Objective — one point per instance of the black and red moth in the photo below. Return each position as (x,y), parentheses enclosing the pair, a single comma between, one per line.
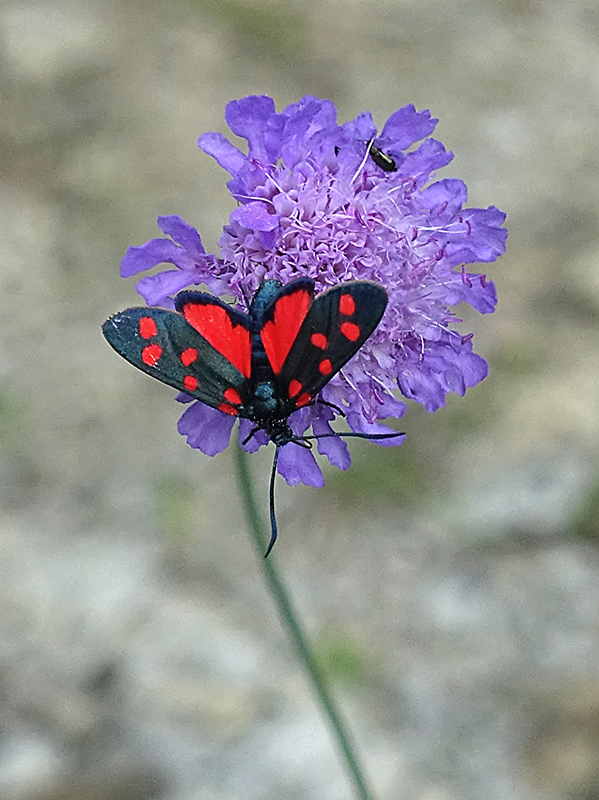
(262,365)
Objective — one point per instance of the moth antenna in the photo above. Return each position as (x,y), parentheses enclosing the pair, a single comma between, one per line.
(357,435)
(340,411)
(273,519)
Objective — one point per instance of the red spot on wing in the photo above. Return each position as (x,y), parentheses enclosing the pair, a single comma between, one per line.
(190,383)
(215,325)
(325,367)
(189,356)
(319,340)
(350,330)
(280,333)
(233,396)
(303,400)
(226,408)
(295,387)
(147,327)
(347,304)
(151,354)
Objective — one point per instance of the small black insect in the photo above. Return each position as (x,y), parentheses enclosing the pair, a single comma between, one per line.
(382,159)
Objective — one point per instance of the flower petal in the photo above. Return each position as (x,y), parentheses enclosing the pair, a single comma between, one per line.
(473,289)
(257,440)
(305,123)
(222,151)
(444,198)
(405,127)
(389,406)
(361,128)
(156,251)
(183,234)
(419,164)
(333,447)
(206,428)
(155,288)
(248,118)
(255,216)
(487,238)
(184,398)
(297,465)
(447,365)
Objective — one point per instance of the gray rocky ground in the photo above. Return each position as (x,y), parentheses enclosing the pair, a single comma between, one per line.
(452,586)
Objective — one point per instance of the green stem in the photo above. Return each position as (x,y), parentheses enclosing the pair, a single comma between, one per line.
(294,630)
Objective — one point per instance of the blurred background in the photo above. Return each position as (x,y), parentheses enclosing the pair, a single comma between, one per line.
(450,586)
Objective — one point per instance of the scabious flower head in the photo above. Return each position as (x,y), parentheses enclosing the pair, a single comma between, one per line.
(312,201)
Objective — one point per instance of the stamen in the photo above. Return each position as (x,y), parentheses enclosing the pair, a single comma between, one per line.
(364,160)
(252,197)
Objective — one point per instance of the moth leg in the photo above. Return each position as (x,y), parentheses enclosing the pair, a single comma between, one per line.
(250,434)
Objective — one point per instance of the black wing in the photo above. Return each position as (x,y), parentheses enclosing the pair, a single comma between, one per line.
(337,324)
(164,345)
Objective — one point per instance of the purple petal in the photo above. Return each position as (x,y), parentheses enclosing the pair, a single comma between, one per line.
(300,421)
(471,288)
(445,198)
(361,128)
(298,465)
(487,237)
(448,365)
(222,151)
(255,216)
(154,288)
(258,439)
(421,163)
(156,251)
(333,447)
(322,113)
(248,118)
(389,406)
(183,234)
(206,428)
(405,127)
(305,122)
(421,386)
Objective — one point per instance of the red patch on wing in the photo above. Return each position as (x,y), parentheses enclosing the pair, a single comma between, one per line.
(319,340)
(347,305)
(325,367)
(147,327)
(295,387)
(189,356)
(233,396)
(226,408)
(215,325)
(350,330)
(303,400)
(190,383)
(151,354)
(280,333)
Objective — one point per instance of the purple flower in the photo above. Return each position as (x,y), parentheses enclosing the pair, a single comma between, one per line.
(312,201)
